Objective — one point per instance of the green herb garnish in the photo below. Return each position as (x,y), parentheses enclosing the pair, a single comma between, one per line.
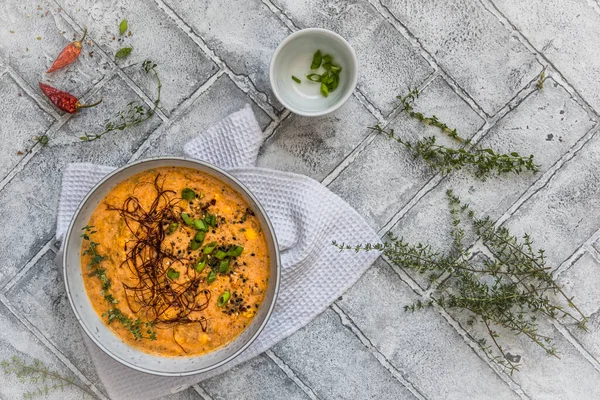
(124,52)
(235,251)
(188,194)
(113,313)
(172,228)
(324,90)
(314,77)
(186,218)
(211,220)
(296,79)
(316,61)
(209,248)
(200,225)
(172,274)
(199,267)
(200,236)
(224,266)
(212,276)
(224,298)
(219,255)
(195,245)
(123,27)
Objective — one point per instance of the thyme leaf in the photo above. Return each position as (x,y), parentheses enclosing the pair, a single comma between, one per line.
(45,379)
(135,113)
(510,290)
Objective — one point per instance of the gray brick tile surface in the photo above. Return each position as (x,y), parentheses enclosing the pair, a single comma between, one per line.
(41,298)
(335,364)
(259,378)
(33,121)
(16,341)
(565,32)
(478,62)
(471,45)
(315,146)
(244,37)
(413,342)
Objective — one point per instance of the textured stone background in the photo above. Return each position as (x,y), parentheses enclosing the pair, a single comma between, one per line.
(476,63)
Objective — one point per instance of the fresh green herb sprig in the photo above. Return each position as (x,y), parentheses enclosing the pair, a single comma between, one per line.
(38,374)
(135,113)
(511,290)
(444,159)
(139,329)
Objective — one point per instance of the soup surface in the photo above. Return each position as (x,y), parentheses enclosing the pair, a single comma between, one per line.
(175,262)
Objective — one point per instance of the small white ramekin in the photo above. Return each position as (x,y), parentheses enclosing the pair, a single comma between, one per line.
(294,56)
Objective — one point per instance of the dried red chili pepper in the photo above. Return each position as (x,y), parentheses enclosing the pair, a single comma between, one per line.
(63,100)
(68,54)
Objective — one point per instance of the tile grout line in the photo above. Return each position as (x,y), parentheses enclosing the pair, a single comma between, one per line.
(110,60)
(541,58)
(289,372)
(416,43)
(241,81)
(201,392)
(39,100)
(50,132)
(351,157)
(347,322)
(181,109)
(51,347)
(28,266)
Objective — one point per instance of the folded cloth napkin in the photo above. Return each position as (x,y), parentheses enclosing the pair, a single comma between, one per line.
(306,217)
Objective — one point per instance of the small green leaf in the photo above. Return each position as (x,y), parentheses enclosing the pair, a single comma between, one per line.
(224,266)
(200,236)
(123,27)
(224,298)
(219,255)
(200,225)
(172,228)
(200,266)
(211,277)
(186,218)
(235,251)
(124,52)
(316,61)
(188,194)
(296,79)
(209,248)
(172,274)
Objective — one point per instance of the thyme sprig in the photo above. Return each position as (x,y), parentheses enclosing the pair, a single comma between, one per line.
(446,159)
(135,326)
(510,290)
(40,375)
(135,113)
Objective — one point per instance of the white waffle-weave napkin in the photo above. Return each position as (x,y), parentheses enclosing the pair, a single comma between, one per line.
(306,217)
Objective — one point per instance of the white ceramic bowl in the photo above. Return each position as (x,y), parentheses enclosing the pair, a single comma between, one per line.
(97,330)
(294,56)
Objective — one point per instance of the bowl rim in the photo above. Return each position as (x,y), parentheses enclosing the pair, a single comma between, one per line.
(277,255)
(342,99)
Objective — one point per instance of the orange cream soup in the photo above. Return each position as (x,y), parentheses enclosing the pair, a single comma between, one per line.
(201,331)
